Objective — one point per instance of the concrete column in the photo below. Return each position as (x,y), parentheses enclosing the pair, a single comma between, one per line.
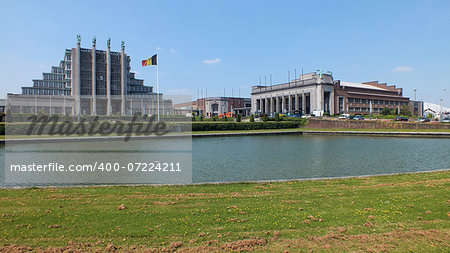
(254,107)
(108,79)
(303,103)
(332,102)
(289,103)
(277,104)
(282,104)
(266,105)
(319,98)
(94,79)
(296,102)
(76,77)
(123,79)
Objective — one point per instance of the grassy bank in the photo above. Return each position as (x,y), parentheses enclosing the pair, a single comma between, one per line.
(253,131)
(400,212)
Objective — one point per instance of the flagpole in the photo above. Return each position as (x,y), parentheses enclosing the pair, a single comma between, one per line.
(157,87)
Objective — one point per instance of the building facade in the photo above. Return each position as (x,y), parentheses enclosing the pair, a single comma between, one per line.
(90,82)
(2,105)
(312,93)
(368,98)
(215,106)
(318,94)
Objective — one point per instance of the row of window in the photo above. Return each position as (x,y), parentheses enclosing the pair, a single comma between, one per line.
(57,70)
(363,109)
(30,91)
(375,102)
(51,76)
(48,84)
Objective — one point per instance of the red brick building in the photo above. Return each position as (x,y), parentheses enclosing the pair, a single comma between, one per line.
(366,98)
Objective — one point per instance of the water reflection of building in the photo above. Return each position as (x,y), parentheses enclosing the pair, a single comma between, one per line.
(69,87)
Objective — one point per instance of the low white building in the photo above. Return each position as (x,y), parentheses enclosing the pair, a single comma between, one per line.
(312,93)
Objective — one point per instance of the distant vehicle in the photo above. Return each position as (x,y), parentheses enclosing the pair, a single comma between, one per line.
(446,120)
(401,119)
(423,119)
(295,114)
(358,117)
(344,116)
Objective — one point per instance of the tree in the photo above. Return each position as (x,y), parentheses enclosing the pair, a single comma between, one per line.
(405,111)
(238,117)
(386,111)
(252,118)
(277,117)
(264,118)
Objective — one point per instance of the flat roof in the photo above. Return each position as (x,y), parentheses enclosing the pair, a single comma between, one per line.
(361,86)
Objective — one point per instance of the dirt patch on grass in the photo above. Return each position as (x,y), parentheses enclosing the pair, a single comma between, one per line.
(371,242)
(244,245)
(433,182)
(337,240)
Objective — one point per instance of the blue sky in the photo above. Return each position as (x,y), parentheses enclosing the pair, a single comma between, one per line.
(231,44)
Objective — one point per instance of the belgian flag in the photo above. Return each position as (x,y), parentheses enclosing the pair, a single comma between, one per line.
(150,61)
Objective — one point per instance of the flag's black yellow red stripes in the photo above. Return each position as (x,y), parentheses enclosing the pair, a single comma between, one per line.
(150,61)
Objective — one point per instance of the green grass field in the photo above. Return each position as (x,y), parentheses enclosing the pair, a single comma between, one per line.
(408,212)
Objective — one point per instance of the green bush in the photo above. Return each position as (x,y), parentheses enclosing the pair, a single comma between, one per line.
(238,117)
(24,128)
(224,126)
(264,118)
(277,117)
(2,128)
(252,118)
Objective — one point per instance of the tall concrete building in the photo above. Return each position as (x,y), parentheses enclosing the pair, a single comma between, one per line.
(91,82)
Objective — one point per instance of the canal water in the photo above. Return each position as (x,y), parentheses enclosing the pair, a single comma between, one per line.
(274,157)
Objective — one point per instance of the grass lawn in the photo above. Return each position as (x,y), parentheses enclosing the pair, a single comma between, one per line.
(408,212)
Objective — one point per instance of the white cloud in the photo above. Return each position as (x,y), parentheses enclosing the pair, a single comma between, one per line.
(402,69)
(212,61)
(173,50)
(158,49)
